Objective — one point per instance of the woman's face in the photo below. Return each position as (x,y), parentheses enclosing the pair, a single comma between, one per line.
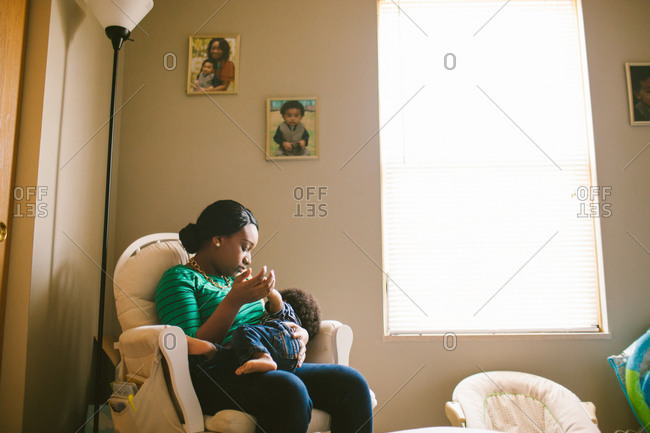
(215,50)
(233,255)
(644,91)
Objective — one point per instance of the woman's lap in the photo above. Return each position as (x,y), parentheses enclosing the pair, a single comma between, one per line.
(340,391)
(282,401)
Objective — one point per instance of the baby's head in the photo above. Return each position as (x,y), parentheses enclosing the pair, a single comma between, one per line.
(292,112)
(640,76)
(305,307)
(207,67)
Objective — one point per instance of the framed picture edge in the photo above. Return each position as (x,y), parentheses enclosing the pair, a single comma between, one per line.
(268,130)
(630,95)
(235,60)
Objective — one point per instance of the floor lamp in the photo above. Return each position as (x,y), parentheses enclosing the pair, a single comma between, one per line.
(118,17)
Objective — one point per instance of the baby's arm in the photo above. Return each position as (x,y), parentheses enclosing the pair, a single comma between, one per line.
(278,137)
(275,302)
(304,139)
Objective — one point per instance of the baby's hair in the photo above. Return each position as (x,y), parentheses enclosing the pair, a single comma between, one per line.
(292,104)
(210,62)
(305,307)
(637,75)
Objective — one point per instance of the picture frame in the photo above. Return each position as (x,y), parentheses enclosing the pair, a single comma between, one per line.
(278,129)
(221,67)
(638,92)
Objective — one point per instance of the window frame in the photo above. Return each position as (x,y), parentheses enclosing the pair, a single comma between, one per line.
(603,331)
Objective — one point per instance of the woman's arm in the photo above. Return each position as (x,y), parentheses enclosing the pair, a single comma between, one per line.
(216,327)
(223,86)
(225,74)
(243,291)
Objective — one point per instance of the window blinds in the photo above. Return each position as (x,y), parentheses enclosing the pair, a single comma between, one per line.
(489,215)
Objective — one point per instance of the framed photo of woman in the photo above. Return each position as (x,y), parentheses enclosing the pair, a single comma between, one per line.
(638,92)
(292,128)
(213,65)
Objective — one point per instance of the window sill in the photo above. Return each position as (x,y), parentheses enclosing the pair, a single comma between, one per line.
(501,336)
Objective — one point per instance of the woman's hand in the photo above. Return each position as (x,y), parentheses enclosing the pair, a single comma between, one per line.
(302,336)
(242,292)
(246,289)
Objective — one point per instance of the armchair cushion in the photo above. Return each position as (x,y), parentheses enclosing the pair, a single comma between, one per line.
(135,283)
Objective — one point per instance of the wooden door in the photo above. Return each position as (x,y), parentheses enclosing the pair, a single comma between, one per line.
(13,20)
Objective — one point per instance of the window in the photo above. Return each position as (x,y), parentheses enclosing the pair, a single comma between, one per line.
(490,209)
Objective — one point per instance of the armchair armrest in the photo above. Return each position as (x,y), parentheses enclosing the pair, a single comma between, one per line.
(173,345)
(590,408)
(331,345)
(139,346)
(455,414)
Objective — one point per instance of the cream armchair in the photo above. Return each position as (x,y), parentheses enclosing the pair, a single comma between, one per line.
(167,391)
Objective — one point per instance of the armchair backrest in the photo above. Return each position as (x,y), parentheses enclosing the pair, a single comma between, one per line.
(136,276)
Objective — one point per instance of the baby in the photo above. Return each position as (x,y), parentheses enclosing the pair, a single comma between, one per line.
(206,77)
(269,345)
(291,135)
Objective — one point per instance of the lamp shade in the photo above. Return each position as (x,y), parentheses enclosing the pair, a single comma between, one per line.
(121,13)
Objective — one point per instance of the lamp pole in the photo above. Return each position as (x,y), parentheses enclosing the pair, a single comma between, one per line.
(118,20)
(117,35)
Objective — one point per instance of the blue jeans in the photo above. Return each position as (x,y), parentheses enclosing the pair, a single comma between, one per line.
(282,401)
(274,338)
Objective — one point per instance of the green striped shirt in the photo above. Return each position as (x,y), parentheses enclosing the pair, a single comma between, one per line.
(186,299)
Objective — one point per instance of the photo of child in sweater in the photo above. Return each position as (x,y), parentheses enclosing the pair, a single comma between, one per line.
(291,128)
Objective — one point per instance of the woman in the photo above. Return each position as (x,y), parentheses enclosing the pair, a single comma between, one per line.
(219,55)
(213,294)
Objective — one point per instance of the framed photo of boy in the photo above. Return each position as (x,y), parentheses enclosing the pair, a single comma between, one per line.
(638,92)
(213,65)
(292,128)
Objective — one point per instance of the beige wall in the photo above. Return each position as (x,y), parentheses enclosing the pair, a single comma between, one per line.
(53,284)
(179,153)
